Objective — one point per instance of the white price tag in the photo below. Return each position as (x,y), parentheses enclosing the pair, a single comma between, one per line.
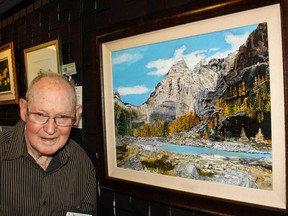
(76,214)
(79,101)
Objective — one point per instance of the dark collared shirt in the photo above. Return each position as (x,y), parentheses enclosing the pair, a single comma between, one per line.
(68,184)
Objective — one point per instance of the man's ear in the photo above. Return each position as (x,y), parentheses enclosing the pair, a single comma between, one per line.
(78,114)
(23,109)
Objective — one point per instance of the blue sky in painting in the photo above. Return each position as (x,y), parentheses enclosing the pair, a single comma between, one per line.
(138,70)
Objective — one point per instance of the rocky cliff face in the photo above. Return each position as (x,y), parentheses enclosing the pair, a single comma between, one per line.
(183,89)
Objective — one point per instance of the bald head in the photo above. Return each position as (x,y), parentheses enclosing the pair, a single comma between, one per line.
(55,82)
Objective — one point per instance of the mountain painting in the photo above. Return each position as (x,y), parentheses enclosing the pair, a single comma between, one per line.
(197,107)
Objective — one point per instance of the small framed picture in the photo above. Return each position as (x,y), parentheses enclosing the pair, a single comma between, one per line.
(42,58)
(8,78)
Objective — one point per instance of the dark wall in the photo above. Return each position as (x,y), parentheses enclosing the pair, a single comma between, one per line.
(74,22)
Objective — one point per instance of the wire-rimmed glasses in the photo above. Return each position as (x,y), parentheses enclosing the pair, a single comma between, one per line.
(41,118)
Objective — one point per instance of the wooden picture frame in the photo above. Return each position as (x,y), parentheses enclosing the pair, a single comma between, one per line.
(42,58)
(8,77)
(200,19)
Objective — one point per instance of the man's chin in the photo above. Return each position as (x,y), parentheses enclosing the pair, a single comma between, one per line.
(48,150)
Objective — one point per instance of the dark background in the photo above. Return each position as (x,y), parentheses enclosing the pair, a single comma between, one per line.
(28,23)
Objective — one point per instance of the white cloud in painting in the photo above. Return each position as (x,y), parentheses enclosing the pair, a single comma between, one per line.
(235,41)
(138,89)
(127,58)
(213,49)
(161,66)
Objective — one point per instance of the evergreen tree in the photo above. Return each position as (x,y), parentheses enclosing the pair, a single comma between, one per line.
(122,127)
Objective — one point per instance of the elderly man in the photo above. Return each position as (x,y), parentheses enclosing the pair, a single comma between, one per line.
(43,171)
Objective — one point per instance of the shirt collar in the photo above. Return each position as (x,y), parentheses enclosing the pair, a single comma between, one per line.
(15,147)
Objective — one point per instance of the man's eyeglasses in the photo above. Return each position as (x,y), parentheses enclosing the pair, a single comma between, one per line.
(41,118)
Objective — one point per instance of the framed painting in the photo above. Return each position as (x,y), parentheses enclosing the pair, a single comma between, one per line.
(8,77)
(194,107)
(42,58)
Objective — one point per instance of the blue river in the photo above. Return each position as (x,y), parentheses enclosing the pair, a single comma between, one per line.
(201,150)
